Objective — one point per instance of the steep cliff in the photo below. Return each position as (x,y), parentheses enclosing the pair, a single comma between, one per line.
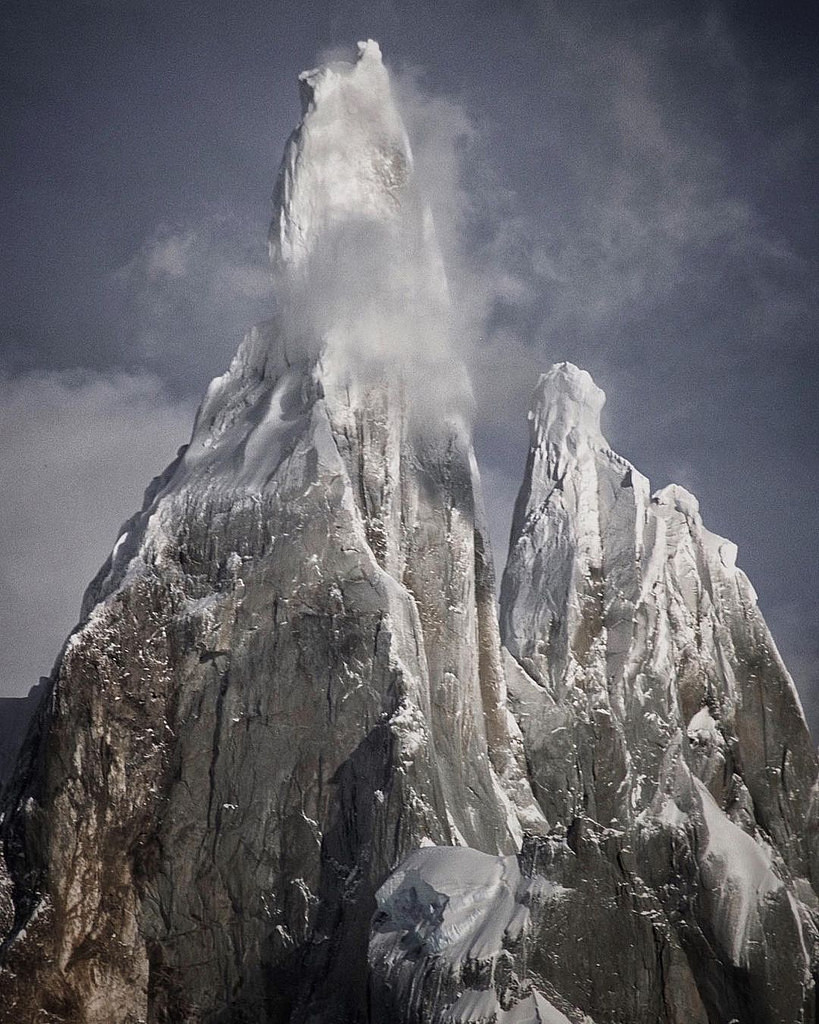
(288,673)
(654,703)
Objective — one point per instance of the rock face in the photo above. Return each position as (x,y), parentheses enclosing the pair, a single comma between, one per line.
(654,703)
(289,671)
(276,775)
(667,749)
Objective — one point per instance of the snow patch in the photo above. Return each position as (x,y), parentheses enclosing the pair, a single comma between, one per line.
(457,902)
(703,730)
(739,870)
(410,728)
(120,541)
(480,1006)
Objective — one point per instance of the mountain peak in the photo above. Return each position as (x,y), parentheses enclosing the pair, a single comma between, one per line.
(368,64)
(567,403)
(347,162)
(369,49)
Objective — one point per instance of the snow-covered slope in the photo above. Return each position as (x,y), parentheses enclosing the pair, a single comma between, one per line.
(449,925)
(289,671)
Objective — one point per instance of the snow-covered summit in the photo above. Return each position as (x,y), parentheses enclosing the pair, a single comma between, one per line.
(348,161)
(360,293)
(631,617)
(359,278)
(566,405)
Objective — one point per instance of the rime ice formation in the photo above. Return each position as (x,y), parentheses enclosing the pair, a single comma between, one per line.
(276,775)
(653,702)
(349,159)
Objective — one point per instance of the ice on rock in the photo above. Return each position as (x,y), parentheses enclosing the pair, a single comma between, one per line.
(349,159)
(651,697)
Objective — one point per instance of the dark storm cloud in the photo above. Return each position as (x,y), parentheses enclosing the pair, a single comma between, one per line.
(627,186)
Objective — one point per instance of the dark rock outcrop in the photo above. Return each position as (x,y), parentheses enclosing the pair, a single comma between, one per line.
(16,714)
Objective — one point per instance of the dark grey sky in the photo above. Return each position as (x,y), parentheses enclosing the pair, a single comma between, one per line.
(627,185)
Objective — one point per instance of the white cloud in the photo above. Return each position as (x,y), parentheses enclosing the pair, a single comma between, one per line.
(190,292)
(169,255)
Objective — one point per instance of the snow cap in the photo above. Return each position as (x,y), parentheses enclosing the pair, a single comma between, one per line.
(678,498)
(348,161)
(566,405)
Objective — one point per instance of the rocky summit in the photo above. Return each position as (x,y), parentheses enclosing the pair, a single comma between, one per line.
(294,765)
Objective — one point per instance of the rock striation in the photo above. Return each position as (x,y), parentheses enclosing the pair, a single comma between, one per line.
(286,771)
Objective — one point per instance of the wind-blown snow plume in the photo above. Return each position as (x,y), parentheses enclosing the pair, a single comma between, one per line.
(358,274)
